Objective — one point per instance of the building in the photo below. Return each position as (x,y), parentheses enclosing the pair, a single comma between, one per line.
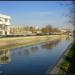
(18,30)
(4,24)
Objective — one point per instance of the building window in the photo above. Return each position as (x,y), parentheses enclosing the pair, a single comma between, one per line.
(6,20)
(1,19)
(1,26)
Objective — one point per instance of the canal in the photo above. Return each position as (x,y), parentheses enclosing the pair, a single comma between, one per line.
(34,59)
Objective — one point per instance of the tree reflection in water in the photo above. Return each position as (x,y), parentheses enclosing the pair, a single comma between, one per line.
(4,56)
(50,45)
(26,52)
(19,52)
(34,49)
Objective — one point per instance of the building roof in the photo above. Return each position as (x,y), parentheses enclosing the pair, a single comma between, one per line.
(5,16)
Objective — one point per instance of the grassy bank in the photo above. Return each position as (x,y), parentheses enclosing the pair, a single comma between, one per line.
(11,42)
(68,64)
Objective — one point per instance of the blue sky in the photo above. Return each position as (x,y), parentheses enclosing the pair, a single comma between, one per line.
(36,12)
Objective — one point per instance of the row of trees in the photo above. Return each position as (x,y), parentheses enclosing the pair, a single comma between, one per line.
(48,29)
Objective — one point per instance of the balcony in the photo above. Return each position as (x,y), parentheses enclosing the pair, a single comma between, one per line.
(5,23)
(1,22)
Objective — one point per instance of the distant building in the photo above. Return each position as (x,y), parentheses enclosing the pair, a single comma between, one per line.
(19,30)
(66,31)
(63,30)
(4,24)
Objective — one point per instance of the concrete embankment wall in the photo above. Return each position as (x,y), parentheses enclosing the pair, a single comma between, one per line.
(15,41)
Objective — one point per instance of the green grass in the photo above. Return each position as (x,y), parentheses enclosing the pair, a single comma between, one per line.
(69,54)
(67,62)
(64,66)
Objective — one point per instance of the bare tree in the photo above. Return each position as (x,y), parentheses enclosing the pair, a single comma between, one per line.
(73,17)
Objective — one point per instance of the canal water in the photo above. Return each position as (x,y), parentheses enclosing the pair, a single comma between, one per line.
(34,59)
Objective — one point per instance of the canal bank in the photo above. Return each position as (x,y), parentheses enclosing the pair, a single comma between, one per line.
(34,59)
(57,66)
(11,42)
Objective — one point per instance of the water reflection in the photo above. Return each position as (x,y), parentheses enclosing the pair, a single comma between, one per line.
(50,45)
(5,56)
(34,49)
(34,59)
(20,52)
(5,53)
(26,52)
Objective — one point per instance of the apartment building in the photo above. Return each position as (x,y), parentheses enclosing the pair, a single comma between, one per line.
(5,24)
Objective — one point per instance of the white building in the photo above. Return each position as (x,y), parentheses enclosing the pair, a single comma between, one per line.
(4,24)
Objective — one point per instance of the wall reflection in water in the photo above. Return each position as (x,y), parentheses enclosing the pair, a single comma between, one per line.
(4,56)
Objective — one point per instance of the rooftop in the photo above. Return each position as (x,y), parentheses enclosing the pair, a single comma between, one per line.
(5,16)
